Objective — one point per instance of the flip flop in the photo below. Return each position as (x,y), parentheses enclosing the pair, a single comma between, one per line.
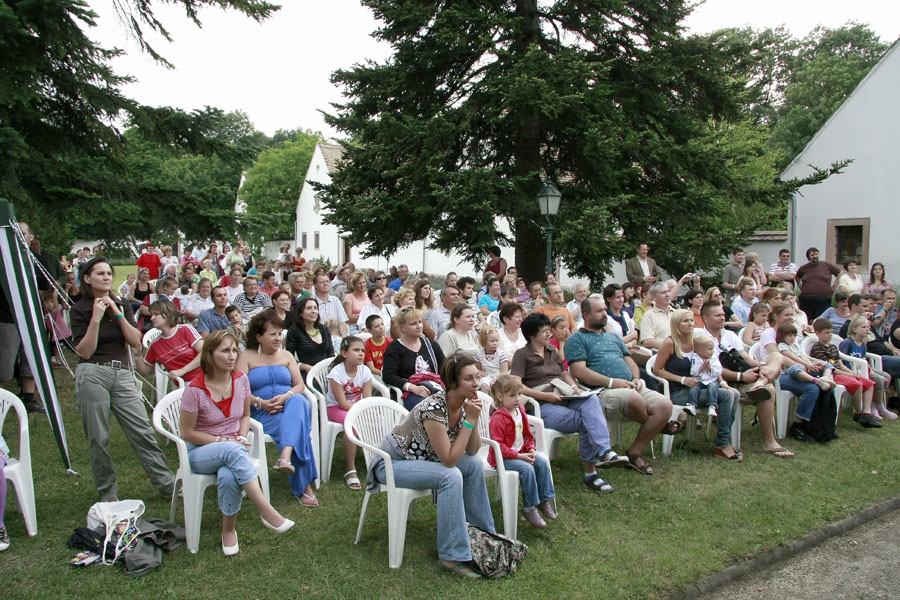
(283,466)
(311,503)
(780,452)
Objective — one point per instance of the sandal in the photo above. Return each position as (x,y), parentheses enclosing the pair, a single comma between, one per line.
(641,467)
(596,484)
(283,466)
(781,452)
(461,570)
(311,501)
(672,427)
(737,456)
(352,482)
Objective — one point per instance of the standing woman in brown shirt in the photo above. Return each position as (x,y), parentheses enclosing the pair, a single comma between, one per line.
(103,328)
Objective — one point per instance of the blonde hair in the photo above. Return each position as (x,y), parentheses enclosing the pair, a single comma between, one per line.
(679,338)
(703,340)
(403,294)
(485,333)
(332,326)
(406,315)
(854,323)
(506,384)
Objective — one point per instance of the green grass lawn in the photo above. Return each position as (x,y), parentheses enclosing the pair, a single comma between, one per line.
(652,535)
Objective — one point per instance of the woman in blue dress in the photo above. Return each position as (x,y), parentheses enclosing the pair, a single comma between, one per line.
(277,401)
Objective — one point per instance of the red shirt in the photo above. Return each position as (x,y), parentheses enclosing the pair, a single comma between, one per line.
(298,264)
(503,431)
(376,353)
(151,261)
(270,291)
(175,352)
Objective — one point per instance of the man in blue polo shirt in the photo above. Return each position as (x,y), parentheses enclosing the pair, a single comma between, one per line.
(214,318)
(598,358)
(402,274)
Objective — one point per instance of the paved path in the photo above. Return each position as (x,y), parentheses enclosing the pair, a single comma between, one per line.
(861,564)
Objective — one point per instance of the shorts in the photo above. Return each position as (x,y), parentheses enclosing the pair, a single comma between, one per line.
(615,401)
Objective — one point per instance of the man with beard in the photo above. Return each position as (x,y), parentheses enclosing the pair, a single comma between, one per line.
(598,359)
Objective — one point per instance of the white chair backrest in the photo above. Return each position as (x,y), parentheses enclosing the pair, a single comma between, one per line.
(9,400)
(484,419)
(755,352)
(150,337)
(168,411)
(651,363)
(371,420)
(317,377)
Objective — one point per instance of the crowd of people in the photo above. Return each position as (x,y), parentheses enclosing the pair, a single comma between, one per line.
(243,332)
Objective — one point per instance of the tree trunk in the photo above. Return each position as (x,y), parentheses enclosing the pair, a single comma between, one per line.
(530,239)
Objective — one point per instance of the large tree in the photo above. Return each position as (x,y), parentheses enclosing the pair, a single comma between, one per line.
(272,187)
(641,127)
(60,99)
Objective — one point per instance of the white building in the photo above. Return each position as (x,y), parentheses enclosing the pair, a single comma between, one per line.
(853,215)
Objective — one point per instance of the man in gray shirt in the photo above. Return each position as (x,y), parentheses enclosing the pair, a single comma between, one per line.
(732,273)
(439,318)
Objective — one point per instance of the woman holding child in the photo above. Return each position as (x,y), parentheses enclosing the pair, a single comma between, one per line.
(694,374)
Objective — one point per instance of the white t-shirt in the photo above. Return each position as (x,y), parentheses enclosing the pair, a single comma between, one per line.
(490,363)
(729,340)
(767,337)
(386,313)
(353,387)
(509,346)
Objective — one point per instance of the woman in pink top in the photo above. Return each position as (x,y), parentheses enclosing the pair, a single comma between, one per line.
(215,419)
(356,300)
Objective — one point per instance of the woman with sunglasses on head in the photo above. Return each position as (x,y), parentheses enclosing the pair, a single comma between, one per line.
(412,361)
(102,330)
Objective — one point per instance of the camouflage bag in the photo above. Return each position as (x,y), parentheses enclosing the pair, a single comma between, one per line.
(495,555)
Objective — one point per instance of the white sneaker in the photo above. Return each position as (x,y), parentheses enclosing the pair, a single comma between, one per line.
(713,412)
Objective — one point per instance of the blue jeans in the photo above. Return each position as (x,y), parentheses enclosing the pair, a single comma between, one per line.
(808,392)
(535,480)
(584,417)
(232,466)
(461,496)
(727,402)
(891,366)
(411,399)
(712,393)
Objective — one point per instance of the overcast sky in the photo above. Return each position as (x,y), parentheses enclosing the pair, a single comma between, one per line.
(278,72)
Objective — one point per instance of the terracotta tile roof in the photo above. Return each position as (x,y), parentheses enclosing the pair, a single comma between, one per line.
(332,154)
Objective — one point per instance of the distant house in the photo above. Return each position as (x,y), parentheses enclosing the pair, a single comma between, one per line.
(321,240)
(854,215)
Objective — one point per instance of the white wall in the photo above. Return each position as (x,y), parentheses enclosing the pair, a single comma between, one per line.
(866,129)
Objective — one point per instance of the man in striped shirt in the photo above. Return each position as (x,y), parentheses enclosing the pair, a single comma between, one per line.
(784,269)
(251,301)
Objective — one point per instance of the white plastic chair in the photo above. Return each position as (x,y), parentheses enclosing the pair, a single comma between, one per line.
(677,410)
(329,430)
(507,481)
(167,421)
(18,470)
(367,423)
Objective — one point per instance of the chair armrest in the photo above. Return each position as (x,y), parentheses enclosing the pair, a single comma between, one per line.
(388,465)
(874,361)
(535,405)
(258,446)
(539,431)
(861,365)
(498,457)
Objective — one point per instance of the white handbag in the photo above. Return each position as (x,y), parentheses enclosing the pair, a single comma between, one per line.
(116,518)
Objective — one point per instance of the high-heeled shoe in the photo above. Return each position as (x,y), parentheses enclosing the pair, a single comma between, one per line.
(230,550)
(281,528)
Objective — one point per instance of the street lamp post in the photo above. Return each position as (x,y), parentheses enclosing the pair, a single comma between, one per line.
(548,202)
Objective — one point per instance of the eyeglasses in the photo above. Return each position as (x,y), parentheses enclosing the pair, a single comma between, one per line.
(382,277)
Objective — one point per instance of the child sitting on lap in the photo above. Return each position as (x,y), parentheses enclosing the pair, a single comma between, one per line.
(705,368)
(509,428)
(493,359)
(786,336)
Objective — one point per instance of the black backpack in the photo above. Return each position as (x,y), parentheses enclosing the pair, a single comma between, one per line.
(821,426)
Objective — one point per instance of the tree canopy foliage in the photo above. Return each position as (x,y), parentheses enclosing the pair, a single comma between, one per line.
(272,187)
(646,131)
(60,103)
